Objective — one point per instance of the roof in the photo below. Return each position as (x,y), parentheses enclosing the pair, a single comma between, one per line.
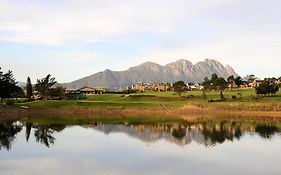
(86,89)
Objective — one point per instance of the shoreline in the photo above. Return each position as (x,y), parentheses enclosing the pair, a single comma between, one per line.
(182,112)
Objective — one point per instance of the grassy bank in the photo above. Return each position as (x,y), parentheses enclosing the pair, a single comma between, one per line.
(248,101)
(158,103)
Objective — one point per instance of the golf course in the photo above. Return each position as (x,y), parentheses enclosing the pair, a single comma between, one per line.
(242,102)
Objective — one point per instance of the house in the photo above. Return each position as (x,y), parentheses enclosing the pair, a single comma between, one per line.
(70,91)
(195,87)
(86,91)
(142,87)
(254,83)
(36,95)
(161,86)
(152,87)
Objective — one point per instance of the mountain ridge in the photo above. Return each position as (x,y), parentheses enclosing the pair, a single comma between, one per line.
(150,72)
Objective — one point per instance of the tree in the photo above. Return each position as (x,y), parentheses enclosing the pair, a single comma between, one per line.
(28,88)
(214,77)
(8,87)
(252,78)
(218,83)
(18,92)
(180,87)
(238,81)
(207,84)
(231,81)
(57,92)
(44,86)
(267,87)
(222,85)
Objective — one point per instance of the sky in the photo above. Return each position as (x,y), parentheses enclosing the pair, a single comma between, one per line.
(72,39)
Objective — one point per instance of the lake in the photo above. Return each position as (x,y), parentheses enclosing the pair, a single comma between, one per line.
(216,147)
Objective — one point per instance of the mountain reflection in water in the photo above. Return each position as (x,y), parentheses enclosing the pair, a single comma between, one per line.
(204,133)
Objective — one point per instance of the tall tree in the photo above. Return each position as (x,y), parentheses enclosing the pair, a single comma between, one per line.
(179,87)
(218,83)
(28,88)
(207,84)
(222,85)
(8,85)
(57,92)
(238,82)
(231,81)
(44,86)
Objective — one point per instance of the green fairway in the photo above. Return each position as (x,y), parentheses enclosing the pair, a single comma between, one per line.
(245,98)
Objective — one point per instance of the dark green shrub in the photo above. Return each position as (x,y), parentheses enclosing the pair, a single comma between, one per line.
(10,102)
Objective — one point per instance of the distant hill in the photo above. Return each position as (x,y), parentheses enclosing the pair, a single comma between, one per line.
(21,84)
(154,73)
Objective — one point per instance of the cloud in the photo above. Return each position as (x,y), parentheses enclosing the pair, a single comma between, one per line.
(70,21)
(241,33)
(77,55)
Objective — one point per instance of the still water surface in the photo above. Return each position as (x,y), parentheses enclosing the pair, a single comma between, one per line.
(125,149)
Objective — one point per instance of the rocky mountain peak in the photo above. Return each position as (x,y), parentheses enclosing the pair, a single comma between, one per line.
(150,72)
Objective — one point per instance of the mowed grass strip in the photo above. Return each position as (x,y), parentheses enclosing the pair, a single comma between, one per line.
(249,100)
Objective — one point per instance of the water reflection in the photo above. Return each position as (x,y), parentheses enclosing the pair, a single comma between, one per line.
(266,131)
(44,133)
(8,133)
(207,133)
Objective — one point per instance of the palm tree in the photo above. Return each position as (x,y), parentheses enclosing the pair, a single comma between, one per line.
(44,85)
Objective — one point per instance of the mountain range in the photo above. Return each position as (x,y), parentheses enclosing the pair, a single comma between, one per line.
(150,72)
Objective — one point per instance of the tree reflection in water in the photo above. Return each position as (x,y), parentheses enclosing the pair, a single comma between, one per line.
(8,133)
(44,133)
(208,133)
(179,132)
(266,130)
(28,127)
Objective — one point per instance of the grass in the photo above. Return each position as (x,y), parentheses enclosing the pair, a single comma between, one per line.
(248,101)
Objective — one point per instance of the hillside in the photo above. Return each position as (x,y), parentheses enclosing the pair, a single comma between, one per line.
(154,73)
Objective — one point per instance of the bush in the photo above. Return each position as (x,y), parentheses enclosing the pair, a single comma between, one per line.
(234,97)
(10,102)
(214,100)
(240,95)
(128,91)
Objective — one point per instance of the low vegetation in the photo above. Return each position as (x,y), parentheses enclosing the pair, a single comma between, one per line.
(245,99)
(217,94)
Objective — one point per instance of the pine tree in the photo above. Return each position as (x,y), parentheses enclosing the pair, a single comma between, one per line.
(8,87)
(28,88)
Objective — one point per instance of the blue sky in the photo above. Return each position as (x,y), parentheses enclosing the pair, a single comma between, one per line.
(71,39)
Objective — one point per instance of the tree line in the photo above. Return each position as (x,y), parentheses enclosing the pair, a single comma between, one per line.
(268,86)
(9,89)
(46,89)
(8,86)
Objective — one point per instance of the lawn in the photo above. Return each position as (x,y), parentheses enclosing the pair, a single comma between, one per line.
(159,99)
(248,100)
